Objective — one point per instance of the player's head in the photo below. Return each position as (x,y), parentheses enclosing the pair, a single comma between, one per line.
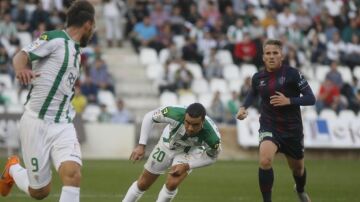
(194,118)
(272,55)
(81,14)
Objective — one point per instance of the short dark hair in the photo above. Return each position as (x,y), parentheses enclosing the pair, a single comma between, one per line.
(196,110)
(79,13)
(273,42)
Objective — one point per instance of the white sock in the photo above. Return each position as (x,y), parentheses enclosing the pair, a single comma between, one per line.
(166,195)
(70,194)
(20,177)
(133,194)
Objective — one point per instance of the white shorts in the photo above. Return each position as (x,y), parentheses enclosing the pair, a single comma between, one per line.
(161,158)
(43,142)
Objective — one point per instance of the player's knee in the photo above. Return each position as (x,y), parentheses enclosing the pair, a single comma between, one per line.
(72,178)
(143,185)
(39,195)
(171,185)
(298,170)
(265,163)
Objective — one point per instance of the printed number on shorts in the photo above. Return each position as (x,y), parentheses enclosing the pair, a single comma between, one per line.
(159,155)
(35,164)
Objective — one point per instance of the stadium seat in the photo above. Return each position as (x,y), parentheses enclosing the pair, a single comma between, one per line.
(328,114)
(91,113)
(345,74)
(12,95)
(224,57)
(24,38)
(315,86)
(2,109)
(6,80)
(168,98)
(15,109)
(347,114)
(164,55)
(225,97)
(148,56)
(195,69)
(173,67)
(205,99)
(199,86)
(153,71)
(321,71)
(187,99)
(179,41)
(235,85)
(231,72)
(218,85)
(357,72)
(308,72)
(247,70)
(107,98)
(310,113)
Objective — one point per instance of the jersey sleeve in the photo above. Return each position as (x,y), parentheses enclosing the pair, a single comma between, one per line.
(308,97)
(169,115)
(40,48)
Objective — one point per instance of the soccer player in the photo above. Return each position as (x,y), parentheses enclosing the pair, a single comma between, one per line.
(46,130)
(281,129)
(190,140)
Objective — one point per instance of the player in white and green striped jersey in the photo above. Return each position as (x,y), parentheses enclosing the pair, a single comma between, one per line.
(46,130)
(190,140)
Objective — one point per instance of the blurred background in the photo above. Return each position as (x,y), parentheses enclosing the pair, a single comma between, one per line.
(151,53)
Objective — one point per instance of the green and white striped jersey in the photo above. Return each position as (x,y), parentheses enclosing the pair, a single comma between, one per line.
(56,57)
(174,136)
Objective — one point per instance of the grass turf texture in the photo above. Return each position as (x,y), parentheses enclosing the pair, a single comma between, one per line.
(225,181)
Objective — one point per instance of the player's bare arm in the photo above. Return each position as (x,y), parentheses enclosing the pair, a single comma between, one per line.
(279,99)
(242,113)
(22,73)
(138,153)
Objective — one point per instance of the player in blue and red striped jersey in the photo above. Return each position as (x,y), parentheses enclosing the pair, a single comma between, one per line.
(279,87)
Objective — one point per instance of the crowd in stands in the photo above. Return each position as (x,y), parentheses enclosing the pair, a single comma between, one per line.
(187,34)
(315,33)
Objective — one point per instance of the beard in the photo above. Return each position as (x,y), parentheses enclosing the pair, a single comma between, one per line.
(85,40)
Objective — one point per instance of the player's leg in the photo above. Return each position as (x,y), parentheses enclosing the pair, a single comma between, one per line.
(138,188)
(169,189)
(35,179)
(66,156)
(70,176)
(158,162)
(299,173)
(267,151)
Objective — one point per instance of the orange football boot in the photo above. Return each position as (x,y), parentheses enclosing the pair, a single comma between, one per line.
(6,181)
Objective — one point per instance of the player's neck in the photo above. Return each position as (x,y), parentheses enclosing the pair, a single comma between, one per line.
(74,33)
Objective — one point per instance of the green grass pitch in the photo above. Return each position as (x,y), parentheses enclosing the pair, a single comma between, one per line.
(225,181)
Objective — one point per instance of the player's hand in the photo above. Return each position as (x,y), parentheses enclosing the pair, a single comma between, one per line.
(180,169)
(242,113)
(25,76)
(279,99)
(138,153)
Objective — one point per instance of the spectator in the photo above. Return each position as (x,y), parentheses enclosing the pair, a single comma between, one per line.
(122,115)
(4,100)
(39,16)
(144,34)
(217,109)
(292,59)
(329,97)
(159,16)
(317,51)
(79,100)
(334,75)
(177,21)
(89,89)
(230,17)
(4,61)
(100,76)
(21,16)
(245,51)
(334,49)
(211,13)
(351,55)
(114,11)
(349,31)
(183,77)
(212,67)
(193,15)
(286,18)
(206,44)
(233,105)
(245,88)
(104,116)
(166,81)
(7,27)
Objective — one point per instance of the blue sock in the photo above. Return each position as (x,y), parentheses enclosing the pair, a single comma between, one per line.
(266,180)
